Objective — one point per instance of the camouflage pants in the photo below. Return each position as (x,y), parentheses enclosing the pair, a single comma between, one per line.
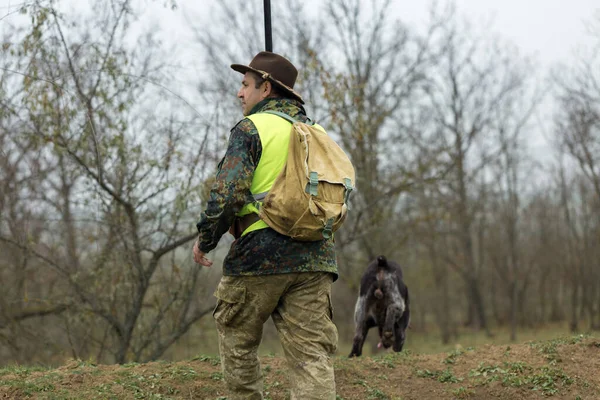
(300,305)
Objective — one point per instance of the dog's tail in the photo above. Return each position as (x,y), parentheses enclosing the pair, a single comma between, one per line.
(382,266)
(382,262)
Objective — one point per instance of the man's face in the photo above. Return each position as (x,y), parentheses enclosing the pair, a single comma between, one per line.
(250,95)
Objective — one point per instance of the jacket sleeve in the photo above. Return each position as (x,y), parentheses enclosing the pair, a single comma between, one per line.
(231,189)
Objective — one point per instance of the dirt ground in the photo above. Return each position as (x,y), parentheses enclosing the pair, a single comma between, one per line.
(566,368)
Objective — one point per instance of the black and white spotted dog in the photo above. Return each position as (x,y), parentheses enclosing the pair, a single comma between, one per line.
(382,302)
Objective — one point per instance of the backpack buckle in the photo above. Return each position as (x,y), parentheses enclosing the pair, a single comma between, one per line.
(313,182)
(328,230)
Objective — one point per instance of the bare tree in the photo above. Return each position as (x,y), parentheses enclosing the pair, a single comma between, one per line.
(123,170)
(475,81)
(372,79)
(577,129)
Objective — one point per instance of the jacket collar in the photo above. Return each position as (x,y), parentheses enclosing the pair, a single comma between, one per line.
(290,107)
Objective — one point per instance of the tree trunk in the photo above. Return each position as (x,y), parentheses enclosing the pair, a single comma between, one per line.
(513,311)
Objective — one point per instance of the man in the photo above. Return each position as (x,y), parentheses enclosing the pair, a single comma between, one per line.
(266,273)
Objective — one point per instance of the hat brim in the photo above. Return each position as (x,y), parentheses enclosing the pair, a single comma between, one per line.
(244,68)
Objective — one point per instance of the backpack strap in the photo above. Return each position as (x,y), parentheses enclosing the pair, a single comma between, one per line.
(287,117)
(349,188)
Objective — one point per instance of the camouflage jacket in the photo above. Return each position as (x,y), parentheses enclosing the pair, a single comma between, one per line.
(264,251)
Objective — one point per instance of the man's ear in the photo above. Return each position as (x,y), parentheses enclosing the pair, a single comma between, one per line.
(266,92)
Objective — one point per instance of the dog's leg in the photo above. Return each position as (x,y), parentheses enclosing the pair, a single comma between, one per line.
(399,335)
(362,327)
(401,327)
(393,313)
(380,329)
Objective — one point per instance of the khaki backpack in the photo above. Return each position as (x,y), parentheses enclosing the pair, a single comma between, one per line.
(308,200)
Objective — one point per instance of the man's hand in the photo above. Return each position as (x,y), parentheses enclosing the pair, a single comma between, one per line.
(199,256)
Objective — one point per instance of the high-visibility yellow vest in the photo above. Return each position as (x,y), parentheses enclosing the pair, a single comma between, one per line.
(274,133)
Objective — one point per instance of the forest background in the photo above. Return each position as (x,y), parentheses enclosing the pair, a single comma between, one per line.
(108,144)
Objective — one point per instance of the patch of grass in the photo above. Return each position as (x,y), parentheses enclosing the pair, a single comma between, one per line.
(445,376)
(83,364)
(425,373)
(510,374)
(462,393)
(142,386)
(60,395)
(550,351)
(375,393)
(431,342)
(130,365)
(518,374)
(20,370)
(29,388)
(484,370)
(213,360)
(182,373)
(549,379)
(40,386)
(275,384)
(453,355)
(216,376)
(141,389)
(549,348)
(388,360)
(517,366)
(269,387)
(104,389)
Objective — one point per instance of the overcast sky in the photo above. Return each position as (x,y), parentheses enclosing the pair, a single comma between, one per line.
(549,30)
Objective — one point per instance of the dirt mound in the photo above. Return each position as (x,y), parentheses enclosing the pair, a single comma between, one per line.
(563,368)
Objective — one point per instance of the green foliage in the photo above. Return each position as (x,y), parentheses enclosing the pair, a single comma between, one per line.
(453,355)
(375,393)
(115,172)
(518,374)
(361,378)
(141,386)
(445,376)
(214,360)
(217,376)
(182,373)
(389,360)
(21,370)
(462,393)
(31,387)
(549,348)
(548,380)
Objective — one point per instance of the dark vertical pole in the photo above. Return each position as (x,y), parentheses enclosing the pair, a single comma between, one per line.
(268,35)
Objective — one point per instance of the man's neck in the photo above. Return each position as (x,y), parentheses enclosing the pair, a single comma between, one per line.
(262,103)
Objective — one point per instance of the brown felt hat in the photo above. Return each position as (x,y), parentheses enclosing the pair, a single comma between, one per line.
(277,69)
